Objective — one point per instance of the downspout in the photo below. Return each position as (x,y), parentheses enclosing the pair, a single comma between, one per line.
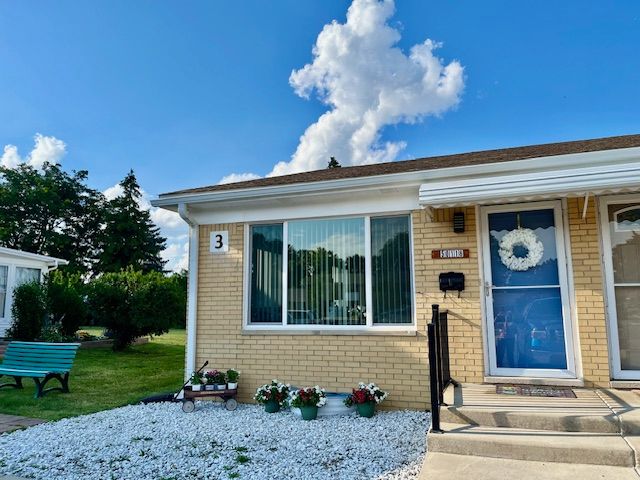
(192,289)
(53,267)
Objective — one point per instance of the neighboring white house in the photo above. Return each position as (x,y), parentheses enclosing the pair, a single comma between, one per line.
(17,267)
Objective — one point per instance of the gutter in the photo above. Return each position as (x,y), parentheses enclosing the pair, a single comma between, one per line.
(192,289)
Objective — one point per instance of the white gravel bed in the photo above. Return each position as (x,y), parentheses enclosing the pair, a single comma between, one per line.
(160,442)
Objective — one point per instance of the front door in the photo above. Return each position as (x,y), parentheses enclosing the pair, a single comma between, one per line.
(620,218)
(527,308)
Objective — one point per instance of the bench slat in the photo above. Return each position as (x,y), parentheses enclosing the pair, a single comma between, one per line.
(25,373)
(43,344)
(36,366)
(14,354)
(41,349)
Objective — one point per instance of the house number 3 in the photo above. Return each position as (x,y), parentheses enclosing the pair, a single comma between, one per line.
(219,242)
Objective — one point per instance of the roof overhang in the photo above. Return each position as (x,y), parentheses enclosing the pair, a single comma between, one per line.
(595,175)
(20,254)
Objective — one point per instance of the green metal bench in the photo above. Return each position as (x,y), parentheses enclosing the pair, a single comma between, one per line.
(40,361)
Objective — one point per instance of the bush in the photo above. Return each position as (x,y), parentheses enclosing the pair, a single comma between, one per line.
(67,308)
(132,304)
(28,311)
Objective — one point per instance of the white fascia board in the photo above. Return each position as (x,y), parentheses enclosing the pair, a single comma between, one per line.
(396,180)
(540,184)
(13,253)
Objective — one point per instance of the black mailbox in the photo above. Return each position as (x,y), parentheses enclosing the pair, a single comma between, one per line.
(452,281)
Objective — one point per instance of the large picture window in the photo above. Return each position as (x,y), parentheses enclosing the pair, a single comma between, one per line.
(331,272)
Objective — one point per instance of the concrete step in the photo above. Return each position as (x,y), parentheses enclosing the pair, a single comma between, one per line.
(533,445)
(444,466)
(534,419)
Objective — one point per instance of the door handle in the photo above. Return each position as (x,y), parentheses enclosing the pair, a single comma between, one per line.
(487,289)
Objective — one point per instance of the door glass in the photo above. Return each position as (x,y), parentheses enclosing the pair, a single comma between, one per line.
(26,275)
(624,228)
(526,293)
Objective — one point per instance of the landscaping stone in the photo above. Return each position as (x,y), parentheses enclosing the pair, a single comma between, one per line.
(160,441)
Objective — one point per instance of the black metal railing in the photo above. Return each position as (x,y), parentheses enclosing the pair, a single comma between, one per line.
(439,367)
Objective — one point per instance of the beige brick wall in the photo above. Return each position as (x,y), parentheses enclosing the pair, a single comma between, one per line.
(589,295)
(396,363)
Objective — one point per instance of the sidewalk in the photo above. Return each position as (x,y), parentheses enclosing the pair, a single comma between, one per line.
(9,423)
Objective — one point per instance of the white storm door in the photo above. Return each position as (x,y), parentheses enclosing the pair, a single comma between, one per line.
(528,315)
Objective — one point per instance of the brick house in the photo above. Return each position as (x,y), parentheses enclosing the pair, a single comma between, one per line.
(328,277)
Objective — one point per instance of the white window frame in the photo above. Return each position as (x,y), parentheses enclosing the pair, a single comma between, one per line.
(609,286)
(5,321)
(369,327)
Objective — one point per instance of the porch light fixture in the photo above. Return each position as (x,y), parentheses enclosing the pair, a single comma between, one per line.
(458,222)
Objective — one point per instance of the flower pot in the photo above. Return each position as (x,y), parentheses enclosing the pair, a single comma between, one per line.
(366,410)
(208,388)
(196,388)
(232,385)
(309,412)
(271,406)
(219,386)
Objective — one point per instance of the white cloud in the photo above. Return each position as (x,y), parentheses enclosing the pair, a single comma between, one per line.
(368,83)
(238,177)
(177,256)
(45,149)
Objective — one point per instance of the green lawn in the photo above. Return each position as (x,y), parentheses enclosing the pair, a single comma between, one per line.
(103,379)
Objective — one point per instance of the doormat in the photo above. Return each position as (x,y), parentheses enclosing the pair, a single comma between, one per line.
(535,391)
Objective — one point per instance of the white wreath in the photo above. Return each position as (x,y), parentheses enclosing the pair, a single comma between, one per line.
(525,238)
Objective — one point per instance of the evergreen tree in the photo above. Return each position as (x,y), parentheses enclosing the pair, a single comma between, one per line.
(333,163)
(129,238)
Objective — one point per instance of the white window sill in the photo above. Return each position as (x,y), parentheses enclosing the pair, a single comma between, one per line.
(409,331)
(555,382)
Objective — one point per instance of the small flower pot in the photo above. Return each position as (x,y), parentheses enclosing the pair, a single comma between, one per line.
(209,388)
(219,386)
(366,410)
(232,385)
(309,412)
(271,406)
(196,388)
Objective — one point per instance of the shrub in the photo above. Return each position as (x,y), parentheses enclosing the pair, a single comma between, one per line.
(28,311)
(132,304)
(66,305)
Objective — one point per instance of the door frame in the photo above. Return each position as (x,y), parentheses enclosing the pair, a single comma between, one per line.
(609,285)
(565,293)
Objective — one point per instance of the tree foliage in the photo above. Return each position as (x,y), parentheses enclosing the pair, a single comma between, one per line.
(50,212)
(28,311)
(333,163)
(130,304)
(129,238)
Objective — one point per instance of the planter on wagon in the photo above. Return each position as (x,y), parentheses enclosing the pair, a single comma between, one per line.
(365,398)
(212,383)
(272,395)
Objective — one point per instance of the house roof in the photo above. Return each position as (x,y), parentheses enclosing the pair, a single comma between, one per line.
(428,163)
(11,252)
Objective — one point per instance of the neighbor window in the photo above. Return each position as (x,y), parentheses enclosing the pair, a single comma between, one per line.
(320,272)
(26,275)
(4,271)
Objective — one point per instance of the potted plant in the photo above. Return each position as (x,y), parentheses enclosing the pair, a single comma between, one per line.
(219,380)
(365,398)
(196,382)
(232,379)
(209,377)
(308,400)
(272,395)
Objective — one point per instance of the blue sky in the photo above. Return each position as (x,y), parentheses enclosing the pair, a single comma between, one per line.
(186,93)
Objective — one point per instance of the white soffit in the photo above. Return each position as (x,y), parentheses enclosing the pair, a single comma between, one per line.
(509,187)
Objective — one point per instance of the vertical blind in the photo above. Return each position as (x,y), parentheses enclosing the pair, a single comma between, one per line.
(391,270)
(266,274)
(326,272)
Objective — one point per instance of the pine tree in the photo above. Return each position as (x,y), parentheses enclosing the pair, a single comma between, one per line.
(333,163)
(130,239)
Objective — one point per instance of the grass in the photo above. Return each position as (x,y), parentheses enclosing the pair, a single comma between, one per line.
(102,379)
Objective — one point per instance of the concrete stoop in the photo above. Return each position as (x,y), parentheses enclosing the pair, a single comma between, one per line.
(593,436)
(445,466)
(533,445)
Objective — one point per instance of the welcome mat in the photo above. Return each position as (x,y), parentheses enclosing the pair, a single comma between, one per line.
(535,391)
